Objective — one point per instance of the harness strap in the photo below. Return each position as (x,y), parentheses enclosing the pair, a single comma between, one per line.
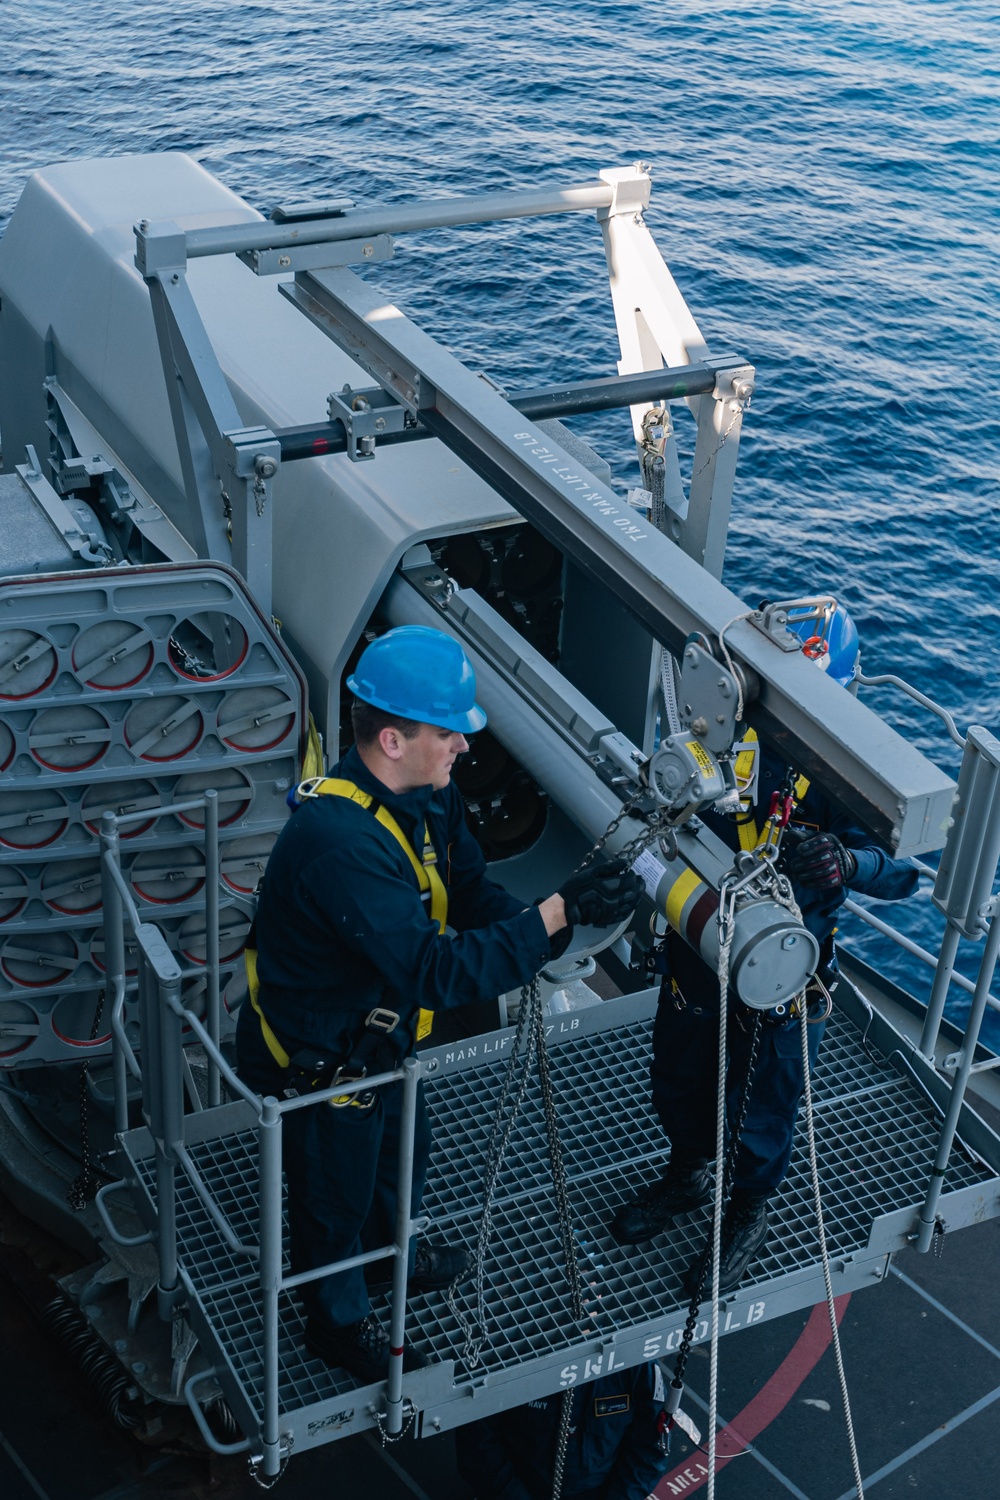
(745,767)
(275,1048)
(432,890)
(425,868)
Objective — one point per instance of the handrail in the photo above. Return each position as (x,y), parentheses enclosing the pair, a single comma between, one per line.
(925,956)
(211,1441)
(235,1084)
(109,1224)
(118,1025)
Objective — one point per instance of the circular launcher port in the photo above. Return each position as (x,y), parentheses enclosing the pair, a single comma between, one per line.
(82,1020)
(19,1027)
(13,891)
(28,663)
(112,655)
(256,719)
(162,729)
(72,886)
(207,647)
(131,954)
(235,795)
(121,798)
(243,861)
(168,876)
(31,819)
(72,737)
(233,929)
(39,960)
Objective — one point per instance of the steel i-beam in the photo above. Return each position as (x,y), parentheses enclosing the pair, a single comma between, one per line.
(880,777)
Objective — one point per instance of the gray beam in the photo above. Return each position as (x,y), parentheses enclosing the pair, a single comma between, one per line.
(826,734)
(573,398)
(434,213)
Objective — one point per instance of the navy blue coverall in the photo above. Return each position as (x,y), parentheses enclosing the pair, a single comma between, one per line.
(341,929)
(685,1032)
(614,1452)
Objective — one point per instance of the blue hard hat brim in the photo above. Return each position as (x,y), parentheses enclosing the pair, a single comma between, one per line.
(468,722)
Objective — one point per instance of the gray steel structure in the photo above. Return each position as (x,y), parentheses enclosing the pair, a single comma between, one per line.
(167,385)
(200,438)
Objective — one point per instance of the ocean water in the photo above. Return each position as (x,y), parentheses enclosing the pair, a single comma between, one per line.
(825,192)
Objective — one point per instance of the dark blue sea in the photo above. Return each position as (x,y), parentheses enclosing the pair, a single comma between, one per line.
(825,192)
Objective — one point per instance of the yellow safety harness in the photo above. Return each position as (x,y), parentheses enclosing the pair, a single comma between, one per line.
(745,767)
(433,891)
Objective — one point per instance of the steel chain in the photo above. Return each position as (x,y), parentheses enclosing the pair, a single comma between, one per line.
(656,825)
(389,1437)
(259,1479)
(81,1189)
(512,1092)
(562,1442)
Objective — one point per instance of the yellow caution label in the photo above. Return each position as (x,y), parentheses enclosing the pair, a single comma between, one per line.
(678,894)
(705,762)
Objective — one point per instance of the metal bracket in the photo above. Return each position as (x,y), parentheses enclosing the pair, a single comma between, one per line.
(772,619)
(315,257)
(86,546)
(708,698)
(159,247)
(211,1441)
(735,383)
(365,416)
(630,190)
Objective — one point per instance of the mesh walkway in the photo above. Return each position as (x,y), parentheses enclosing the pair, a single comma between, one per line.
(876,1136)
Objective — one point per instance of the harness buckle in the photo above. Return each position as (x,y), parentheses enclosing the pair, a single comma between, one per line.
(308,788)
(362,1099)
(381,1019)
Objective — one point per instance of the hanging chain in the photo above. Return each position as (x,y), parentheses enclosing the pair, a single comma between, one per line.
(259,493)
(259,1479)
(562,1442)
(81,1189)
(738,409)
(395,1437)
(657,824)
(512,1092)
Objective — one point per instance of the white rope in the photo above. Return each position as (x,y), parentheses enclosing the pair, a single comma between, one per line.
(814,1169)
(729,660)
(725,945)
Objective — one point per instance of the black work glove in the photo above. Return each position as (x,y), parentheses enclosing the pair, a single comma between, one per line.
(602,895)
(821,861)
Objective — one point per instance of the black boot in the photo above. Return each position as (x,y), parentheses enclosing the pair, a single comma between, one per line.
(686,1184)
(361,1348)
(437,1266)
(744,1230)
(434,1267)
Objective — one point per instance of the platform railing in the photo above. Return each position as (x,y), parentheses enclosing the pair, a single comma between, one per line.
(161,1073)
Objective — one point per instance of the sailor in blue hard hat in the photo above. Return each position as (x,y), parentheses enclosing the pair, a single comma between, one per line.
(825,856)
(375,912)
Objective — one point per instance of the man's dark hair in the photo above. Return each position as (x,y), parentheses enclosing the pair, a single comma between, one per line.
(368,723)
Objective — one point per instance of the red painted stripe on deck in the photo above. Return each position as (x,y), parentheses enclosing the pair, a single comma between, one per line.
(769,1402)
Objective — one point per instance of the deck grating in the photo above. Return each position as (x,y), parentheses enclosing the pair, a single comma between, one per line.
(876,1137)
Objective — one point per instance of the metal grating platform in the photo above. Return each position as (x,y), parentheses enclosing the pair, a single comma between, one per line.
(876,1135)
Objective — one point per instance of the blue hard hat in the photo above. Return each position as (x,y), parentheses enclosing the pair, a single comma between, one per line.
(418,673)
(831,640)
